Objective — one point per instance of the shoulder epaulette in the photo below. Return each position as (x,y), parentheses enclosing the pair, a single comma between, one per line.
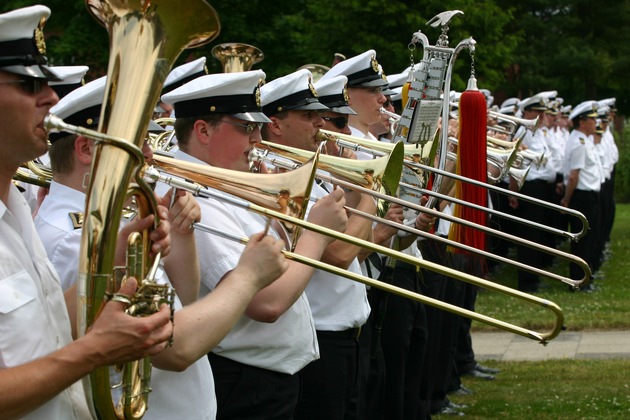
(77,219)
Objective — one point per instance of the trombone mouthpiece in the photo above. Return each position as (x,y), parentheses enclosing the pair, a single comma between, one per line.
(53,123)
(323,137)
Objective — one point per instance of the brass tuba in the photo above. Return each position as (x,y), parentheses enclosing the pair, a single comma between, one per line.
(236,56)
(146,37)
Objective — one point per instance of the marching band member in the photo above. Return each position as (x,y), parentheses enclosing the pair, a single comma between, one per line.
(339,306)
(398,325)
(255,366)
(40,365)
(582,181)
(184,390)
(539,184)
(612,154)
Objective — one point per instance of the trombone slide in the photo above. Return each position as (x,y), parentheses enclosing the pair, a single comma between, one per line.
(543,338)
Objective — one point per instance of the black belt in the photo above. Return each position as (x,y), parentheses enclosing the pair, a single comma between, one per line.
(401,265)
(585,193)
(349,333)
(539,181)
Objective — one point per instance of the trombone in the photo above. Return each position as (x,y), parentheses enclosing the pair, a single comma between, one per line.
(220,179)
(377,148)
(336,165)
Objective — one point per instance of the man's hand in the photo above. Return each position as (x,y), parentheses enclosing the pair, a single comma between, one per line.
(184,211)
(329,212)
(160,236)
(262,260)
(118,337)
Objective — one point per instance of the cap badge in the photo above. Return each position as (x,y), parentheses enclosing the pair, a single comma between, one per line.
(257,93)
(311,87)
(374,64)
(346,98)
(38,36)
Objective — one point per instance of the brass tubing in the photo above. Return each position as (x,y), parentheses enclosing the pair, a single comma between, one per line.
(542,337)
(378,149)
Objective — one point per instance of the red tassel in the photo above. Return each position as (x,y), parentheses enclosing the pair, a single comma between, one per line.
(471,163)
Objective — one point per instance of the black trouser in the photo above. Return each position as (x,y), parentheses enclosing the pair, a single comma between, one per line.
(371,389)
(527,281)
(586,203)
(330,385)
(497,245)
(248,392)
(607,209)
(441,325)
(403,342)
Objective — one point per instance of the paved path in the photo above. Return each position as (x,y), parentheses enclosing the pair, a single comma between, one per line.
(505,346)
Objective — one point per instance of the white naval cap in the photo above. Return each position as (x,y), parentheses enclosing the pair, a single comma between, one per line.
(603,112)
(534,103)
(397,95)
(82,107)
(509,106)
(293,92)
(566,110)
(488,95)
(71,78)
(510,102)
(22,46)
(395,81)
(361,70)
(237,94)
(184,74)
(610,102)
(584,110)
(549,94)
(333,93)
(398,79)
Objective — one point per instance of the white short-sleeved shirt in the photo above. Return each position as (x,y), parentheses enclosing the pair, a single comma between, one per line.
(580,154)
(188,394)
(55,224)
(537,143)
(337,303)
(610,153)
(33,316)
(556,146)
(609,140)
(286,345)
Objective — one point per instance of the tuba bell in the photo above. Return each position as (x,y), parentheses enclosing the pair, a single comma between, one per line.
(145,38)
(317,70)
(236,56)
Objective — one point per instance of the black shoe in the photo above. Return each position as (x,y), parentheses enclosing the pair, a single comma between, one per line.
(486,369)
(589,288)
(462,390)
(448,411)
(458,407)
(479,375)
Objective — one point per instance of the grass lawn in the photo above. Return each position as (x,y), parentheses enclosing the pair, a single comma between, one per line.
(608,308)
(558,389)
(561,389)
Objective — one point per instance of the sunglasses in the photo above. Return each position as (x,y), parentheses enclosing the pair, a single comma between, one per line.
(249,127)
(30,85)
(339,122)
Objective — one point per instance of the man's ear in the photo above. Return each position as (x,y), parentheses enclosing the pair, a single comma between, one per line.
(84,148)
(203,131)
(275,126)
